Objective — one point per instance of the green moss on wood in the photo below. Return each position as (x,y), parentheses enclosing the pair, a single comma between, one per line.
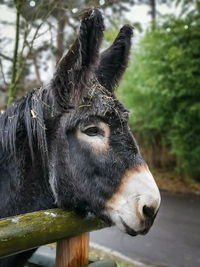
(32,230)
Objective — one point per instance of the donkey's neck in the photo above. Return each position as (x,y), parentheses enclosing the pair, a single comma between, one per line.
(23,186)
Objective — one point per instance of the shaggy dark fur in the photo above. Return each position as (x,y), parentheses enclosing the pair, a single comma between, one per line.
(42,163)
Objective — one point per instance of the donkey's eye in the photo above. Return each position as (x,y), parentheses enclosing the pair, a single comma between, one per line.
(92,131)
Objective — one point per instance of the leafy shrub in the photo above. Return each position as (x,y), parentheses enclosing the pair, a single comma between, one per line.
(162,89)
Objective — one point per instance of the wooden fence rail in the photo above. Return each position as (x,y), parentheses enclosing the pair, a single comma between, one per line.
(24,232)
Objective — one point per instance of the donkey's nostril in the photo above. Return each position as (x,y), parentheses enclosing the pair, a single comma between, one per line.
(148,211)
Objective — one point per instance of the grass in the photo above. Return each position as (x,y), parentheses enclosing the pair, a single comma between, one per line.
(100,255)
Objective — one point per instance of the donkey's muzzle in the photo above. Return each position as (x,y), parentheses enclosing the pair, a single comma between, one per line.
(134,206)
(149,212)
(150,216)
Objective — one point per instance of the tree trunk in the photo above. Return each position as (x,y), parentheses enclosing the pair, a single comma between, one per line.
(12,87)
(60,34)
(37,72)
(153,13)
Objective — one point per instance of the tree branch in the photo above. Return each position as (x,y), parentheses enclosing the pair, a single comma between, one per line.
(37,72)
(2,74)
(6,57)
(11,88)
(21,58)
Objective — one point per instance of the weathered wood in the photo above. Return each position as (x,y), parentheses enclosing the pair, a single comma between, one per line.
(32,230)
(73,252)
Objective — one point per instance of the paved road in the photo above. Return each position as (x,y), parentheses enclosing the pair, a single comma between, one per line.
(174,239)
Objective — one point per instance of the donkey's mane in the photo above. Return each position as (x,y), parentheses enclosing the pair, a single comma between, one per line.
(23,123)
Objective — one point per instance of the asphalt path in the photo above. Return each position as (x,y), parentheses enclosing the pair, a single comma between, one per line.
(174,239)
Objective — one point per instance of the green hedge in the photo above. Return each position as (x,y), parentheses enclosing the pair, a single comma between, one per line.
(162,89)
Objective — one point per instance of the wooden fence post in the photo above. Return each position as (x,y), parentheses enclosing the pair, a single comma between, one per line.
(73,252)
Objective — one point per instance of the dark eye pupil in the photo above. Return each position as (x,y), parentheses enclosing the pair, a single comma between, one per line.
(92,131)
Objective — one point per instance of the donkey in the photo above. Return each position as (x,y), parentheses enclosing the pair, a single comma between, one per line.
(69,144)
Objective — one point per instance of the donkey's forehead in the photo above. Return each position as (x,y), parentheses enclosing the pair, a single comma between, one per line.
(98,103)
(102,102)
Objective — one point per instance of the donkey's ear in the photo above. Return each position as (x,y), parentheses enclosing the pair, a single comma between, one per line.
(114,60)
(75,69)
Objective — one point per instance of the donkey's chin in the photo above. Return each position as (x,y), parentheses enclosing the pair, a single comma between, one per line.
(127,229)
(134,227)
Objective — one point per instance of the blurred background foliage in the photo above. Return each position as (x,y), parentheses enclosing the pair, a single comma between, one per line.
(161,86)
(162,90)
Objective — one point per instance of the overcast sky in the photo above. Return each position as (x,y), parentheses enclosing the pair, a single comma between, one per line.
(137,13)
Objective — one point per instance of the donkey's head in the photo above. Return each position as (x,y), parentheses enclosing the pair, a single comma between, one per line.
(95,163)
